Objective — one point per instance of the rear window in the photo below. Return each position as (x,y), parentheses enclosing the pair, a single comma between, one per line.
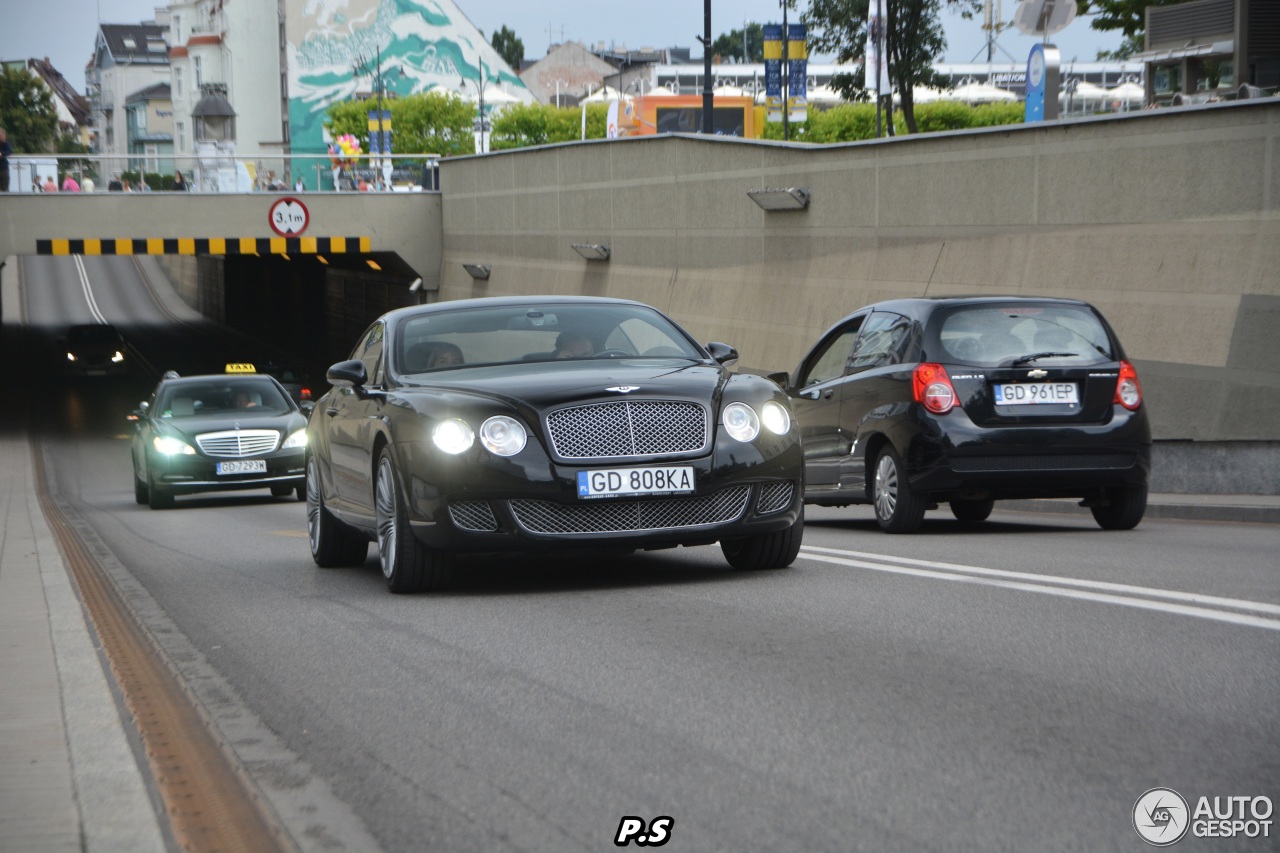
(1001,335)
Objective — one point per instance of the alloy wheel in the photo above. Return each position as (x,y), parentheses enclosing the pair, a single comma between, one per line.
(385,509)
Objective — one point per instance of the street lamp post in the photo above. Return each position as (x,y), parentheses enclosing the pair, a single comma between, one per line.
(483,145)
(380,89)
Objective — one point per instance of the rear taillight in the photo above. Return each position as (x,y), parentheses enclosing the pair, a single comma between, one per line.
(931,386)
(1128,389)
(304,394)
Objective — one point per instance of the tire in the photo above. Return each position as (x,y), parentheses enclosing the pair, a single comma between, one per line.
(333,545)
(408,566)
(972,511)
(141,493)
(282,491)
(1124,508)
(301,492)
(157,498)
(775,550)
(898,508)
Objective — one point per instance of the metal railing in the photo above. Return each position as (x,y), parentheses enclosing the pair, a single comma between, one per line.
(226,172)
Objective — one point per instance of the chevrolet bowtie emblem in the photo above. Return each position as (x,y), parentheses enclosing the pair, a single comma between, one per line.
(624,389)
(1037,374)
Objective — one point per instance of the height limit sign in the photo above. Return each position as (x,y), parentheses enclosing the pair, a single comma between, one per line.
(288,217)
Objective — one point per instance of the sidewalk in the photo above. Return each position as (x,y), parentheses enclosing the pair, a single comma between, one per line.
(1263,509)
(69,779)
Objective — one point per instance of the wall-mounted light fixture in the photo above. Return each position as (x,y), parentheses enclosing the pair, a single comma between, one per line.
(373,265)
(416,285)
(480,271)
(787,198)
(591,251)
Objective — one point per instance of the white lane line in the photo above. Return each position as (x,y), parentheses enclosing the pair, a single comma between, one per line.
(1002,579)
(88,291)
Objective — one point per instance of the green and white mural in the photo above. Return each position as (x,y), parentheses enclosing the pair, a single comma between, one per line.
(431,41)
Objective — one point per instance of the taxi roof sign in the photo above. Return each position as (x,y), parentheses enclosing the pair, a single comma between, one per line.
(241,367)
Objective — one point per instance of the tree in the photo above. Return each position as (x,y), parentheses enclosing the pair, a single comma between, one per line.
(422,123)
(27,112)
(509,47)
(730,45)
(913,35)
(1127,16)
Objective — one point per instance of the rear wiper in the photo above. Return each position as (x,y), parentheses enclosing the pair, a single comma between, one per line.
(1038,355)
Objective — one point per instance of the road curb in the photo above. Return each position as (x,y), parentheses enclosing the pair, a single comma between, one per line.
(1189,511)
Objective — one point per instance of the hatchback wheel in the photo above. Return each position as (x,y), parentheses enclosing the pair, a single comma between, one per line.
(1123,509)
(898,508)
(972,510)
(407,565)
(775,550)
(333,544)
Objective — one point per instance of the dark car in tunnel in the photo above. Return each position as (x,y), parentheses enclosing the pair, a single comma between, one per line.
(528,424)
(94,349)
(910,403)
(212,433)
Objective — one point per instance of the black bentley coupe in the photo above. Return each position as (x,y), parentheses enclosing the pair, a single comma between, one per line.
(522,424)
(909,403)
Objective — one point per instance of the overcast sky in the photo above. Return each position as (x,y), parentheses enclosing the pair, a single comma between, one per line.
(64,30)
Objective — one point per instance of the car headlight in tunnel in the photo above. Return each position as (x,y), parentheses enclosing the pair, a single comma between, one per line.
(776,418)
(172,446)
(453,436)
(71,356)
(298,439)
(117,357)
(741,421)
(503,436)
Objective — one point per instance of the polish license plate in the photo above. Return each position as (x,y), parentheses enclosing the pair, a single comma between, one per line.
(628,482)
(243,466)
(1032,393)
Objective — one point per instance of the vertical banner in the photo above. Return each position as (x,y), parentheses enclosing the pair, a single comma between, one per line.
(611,123)
(797,73)
(773,72)
(876,74)
(375,145)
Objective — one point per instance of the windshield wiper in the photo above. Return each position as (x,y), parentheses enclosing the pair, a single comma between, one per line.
(1038,355)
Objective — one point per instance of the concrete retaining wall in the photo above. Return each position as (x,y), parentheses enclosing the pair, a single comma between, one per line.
(1166,220)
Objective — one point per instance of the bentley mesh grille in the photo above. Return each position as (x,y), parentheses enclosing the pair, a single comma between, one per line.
(234,444)
(628,428)
(473,515)
(1061,462)
(774,497)
(625,516)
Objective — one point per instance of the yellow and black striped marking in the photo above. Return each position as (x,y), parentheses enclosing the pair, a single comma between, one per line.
(209,246)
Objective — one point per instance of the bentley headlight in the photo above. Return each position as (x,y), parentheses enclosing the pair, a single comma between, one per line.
(453,436)
(503,436)
(776,417)
(741,421)
(172,446)
(298,439)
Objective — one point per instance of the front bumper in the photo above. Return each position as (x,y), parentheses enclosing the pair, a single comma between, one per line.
(192,474)
(501,505)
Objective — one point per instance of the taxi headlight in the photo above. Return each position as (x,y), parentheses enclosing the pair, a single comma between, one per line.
(740,421)
(503,436)
(172,447)
(453,436)
(298,439)
(776,417)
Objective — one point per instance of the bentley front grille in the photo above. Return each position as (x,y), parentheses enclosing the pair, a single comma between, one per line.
(476,516)
(628,428)
(539,516)
(234,444)
(774,497)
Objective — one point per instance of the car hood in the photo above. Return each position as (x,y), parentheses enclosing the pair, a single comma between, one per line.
(548,384)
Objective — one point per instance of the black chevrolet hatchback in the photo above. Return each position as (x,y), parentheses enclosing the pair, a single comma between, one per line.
(910,403)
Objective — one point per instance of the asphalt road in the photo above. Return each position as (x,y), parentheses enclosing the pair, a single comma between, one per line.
(1016,685)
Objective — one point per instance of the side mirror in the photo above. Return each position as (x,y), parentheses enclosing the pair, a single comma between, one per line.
(307,406)
(782,378)
(723,353)
(348,374)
